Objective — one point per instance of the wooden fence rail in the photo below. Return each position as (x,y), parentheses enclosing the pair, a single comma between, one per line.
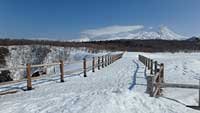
(155,79)
(176,85)
(97,62)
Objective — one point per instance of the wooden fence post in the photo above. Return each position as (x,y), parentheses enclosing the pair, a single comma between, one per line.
(93,64)
(61,71)
(106,61)
(158,86)
(98,63)
(84,67)
(162,73)
(151,67)
(199,92)
(110,59)
(146,62)
(149,63)
(29,84)
(150,85)
(102,62)
(155,67)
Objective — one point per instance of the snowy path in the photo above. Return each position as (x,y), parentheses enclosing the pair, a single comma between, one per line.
(139,77)
(118,88)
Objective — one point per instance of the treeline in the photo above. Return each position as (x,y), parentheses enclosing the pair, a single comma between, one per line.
(153,45)
(9,42)
(115,45)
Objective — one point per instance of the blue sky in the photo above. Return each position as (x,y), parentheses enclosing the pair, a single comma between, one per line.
(66,19)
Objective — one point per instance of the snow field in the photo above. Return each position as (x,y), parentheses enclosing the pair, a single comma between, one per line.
(118,88)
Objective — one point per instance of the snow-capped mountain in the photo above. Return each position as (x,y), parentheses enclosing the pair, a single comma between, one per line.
(166,33)
(163,33)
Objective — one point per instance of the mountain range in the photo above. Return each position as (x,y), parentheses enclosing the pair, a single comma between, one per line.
(163,33)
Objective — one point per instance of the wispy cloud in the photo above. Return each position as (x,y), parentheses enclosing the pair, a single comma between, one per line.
(110,30)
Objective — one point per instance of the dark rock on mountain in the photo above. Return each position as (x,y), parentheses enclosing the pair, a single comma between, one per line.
(194,39)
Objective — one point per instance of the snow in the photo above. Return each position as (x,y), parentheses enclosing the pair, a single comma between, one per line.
(117,88)
(180,68)
(112,33)
(38,54)
(111,30)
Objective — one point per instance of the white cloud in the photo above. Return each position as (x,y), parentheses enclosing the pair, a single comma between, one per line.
(150,28)
(110,30)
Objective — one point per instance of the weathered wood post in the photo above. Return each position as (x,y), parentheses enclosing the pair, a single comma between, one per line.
(54,70)
(61,71)
(199,92)
(146,62)
(98,63)
(158,86)
(149,61)
(139,57)
(155,67)
(151,67)
(84,67)
(93,64)
(102,61)
(29,83)
(143,60)
(106,57)
(150,85)
(111,61)
(162,73)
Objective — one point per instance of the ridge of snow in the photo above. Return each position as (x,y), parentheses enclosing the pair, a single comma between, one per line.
(163,33)
(166,33)
(111,30)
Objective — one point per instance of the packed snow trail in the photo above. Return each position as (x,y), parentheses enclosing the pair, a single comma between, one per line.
(139,76)
(105,91)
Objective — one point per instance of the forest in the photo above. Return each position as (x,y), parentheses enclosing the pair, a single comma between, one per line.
(152,45)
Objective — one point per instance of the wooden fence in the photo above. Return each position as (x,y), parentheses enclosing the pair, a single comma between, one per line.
(96,62)
(155,78)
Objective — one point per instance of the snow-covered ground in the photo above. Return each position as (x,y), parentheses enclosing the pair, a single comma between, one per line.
(180,68)
(16,56)
(118,88)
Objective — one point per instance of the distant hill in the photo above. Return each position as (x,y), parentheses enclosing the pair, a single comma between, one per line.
(193,39)
(150,45)
(162,33)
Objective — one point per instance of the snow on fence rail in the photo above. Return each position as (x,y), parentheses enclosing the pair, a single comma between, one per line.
(88,64)
(155,79)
